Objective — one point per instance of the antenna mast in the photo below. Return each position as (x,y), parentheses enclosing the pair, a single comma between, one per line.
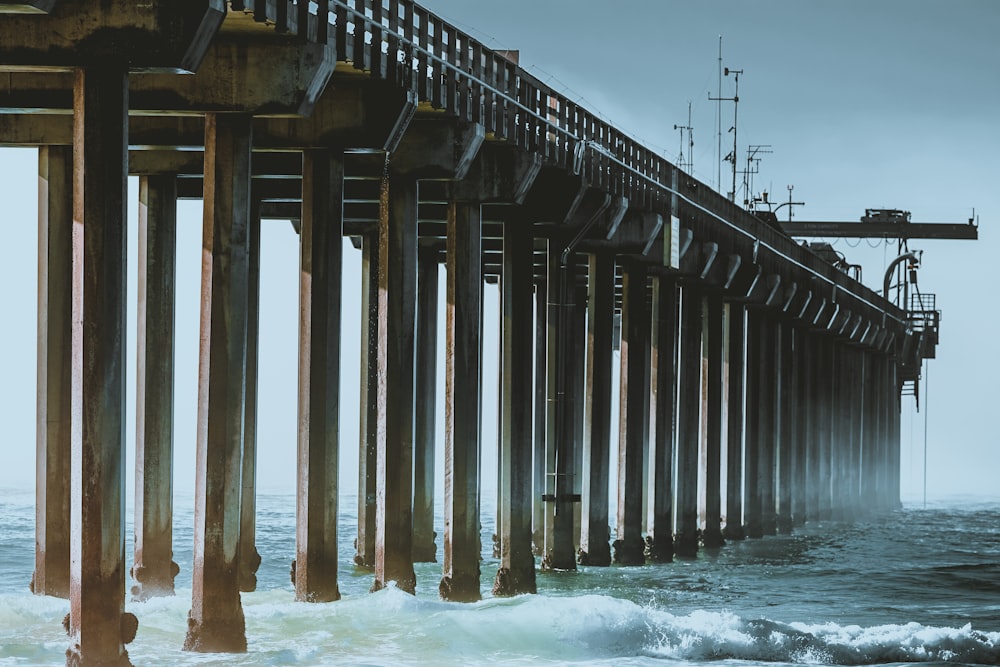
(686,165)
(735,99)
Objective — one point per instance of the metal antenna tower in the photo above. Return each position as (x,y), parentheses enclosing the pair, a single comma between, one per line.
(735,99)
(687,165)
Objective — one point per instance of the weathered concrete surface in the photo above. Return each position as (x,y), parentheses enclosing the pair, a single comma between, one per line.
(215,622)
(54,380)
(712,535)
(154,569)
(736,367)
(686,537)
(98,626)
(660,531)
(424,547)
(463,365)
(368,392)
(320,283)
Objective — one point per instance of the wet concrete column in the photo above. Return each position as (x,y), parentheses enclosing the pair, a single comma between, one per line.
(812,412)
(320,280)
(424,548)
(869,392)
(894,439)
(799,383)
(688,423)
(215,622)
(463,371)
(560,436)
(541,410)
(735,372)
(154,569)
(516,575)
(660,532)
(753,527)
(788,407)
(882,436)
(98,625)
(634,414)
(249,558)
(712,536)
(768,441)
(595,539)
(839,431)
(54,380)
(397,319)
(855,402)
(364,544)
(578,386)
(825,428)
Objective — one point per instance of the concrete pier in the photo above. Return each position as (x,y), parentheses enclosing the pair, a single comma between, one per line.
(660,532)
(424,547)
(595,538)
(686,534)
(634,410)
(54,379)
(320,279)
(516,575)
(397,286)
(154,569)
(463,370)
(98,625)
(215,622)
(449,154)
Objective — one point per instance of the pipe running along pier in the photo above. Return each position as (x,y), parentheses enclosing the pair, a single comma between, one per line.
(744,356)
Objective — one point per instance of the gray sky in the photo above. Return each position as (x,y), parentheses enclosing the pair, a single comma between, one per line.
(888,104)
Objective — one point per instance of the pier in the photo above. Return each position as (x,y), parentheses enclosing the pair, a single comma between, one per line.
(760,384)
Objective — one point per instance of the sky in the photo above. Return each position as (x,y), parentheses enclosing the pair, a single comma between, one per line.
(891,104)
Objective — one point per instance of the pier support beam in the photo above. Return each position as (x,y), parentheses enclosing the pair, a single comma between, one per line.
(463,369)
(99,628)
(595,539)
(397,300)
(825,427)
(688,441)
(541,410)
(55,363)
(712,535)
(516,575)
(320,278)
(560,496)
(216,622)
(247,554)
(754,407)
(736,364)
(424,548)
(368,434)
(660,534)
(767,440)
(839,434)
(788,406)
(154,569)
(799,407)
(813,427)
(629,546)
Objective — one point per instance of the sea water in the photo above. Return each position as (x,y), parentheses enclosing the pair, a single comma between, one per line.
(914,585)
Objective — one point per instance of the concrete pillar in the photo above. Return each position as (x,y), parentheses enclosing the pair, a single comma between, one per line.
(813,412)
(868,391)
(799,407)
(397,301)
(463,371)
(320,279)
(712,535)
(768,441)
(516,575)
(894,435)
(247,555)
(754,406)
(215,622)
(788,406)
(154,569)
(882,435)
(688,441)
(838,430)
(634,415)
(825,382)
(98,625)
(660,533)
(736,369)
(368,434)
(595,539)
(855,401)
(54,380)
(424,548)
(578,386)
(541,411)
(560,438)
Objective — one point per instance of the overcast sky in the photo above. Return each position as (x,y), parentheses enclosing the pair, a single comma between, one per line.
(864,104)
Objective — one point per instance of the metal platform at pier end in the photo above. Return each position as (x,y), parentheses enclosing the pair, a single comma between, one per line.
(377,120)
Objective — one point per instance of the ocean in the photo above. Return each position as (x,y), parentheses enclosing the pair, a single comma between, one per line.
(913,586)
